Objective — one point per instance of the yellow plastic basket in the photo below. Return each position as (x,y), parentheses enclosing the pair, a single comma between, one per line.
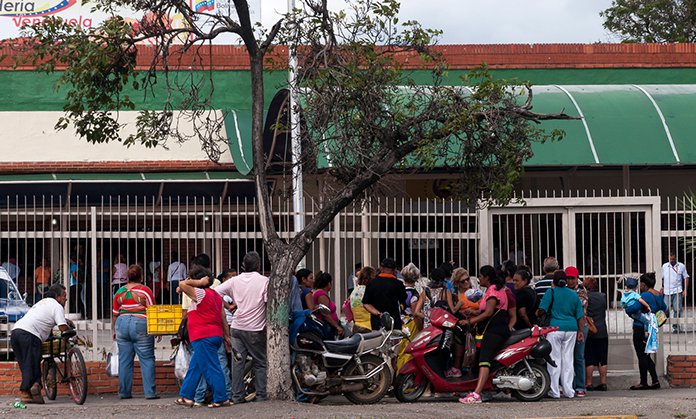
(163,319)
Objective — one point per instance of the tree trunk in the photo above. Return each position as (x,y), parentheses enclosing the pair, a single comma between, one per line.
(283,263)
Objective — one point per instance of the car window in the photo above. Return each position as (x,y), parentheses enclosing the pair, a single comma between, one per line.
(9,291)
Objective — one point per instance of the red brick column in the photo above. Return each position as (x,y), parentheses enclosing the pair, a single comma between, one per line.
(97,380)
(681,370)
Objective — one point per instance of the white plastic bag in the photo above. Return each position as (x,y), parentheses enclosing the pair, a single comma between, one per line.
(652,344)
(112,361)
(181,362)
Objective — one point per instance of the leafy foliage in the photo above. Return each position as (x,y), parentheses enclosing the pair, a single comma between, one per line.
(652,20)
(368,116)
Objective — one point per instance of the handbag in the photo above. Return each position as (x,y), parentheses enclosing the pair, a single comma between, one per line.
(112,361)
(479,336)
(591,326)
(545,319)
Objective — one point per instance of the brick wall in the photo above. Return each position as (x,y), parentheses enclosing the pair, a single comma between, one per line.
(231,57)
(98,381)
(681,370)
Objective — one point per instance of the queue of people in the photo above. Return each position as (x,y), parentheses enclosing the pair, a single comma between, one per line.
(227,314)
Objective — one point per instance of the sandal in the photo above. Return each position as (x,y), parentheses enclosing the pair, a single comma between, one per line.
(472,397)
(221,404)
(183,402)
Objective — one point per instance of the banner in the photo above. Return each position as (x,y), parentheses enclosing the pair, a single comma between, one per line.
(14,14)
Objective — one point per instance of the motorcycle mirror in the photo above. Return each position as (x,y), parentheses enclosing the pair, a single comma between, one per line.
(321,308)
(387,321)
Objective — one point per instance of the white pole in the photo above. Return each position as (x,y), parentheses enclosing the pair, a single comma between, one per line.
(297,184)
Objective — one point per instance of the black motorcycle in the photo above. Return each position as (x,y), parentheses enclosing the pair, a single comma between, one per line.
(359,367)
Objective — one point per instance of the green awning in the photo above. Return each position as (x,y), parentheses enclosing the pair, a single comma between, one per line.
(238,128)
(621,125)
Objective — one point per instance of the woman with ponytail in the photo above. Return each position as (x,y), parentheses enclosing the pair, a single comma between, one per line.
(567,314)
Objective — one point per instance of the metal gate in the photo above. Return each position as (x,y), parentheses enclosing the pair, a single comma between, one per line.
(604,237)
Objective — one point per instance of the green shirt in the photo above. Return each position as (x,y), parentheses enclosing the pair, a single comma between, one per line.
(566,309)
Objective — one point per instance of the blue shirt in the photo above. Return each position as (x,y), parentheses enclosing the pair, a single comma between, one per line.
(656,303)
(628,298)
(73,270)
(566,309)
(295,302)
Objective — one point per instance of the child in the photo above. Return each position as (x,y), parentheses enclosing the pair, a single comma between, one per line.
(631,297)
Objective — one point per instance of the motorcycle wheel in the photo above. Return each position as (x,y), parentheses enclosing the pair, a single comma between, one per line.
(542,382)
(249,381)
(405,389)
(376,387)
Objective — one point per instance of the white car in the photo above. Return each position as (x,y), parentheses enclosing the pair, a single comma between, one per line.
(12,308)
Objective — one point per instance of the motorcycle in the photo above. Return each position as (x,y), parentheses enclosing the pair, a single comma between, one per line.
(518,367)
(359,367)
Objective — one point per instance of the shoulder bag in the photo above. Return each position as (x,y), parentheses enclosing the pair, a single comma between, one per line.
(545,319)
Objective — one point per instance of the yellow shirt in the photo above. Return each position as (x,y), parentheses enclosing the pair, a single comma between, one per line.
(361,317)
(186,300)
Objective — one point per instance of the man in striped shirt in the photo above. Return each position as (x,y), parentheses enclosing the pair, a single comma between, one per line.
(542,285)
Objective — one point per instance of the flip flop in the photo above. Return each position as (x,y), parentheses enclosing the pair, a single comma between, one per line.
(183,402)
(221,404)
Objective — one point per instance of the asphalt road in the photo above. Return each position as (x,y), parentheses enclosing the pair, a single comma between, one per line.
(659,404)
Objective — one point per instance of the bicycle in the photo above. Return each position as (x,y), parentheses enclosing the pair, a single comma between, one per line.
(63,363)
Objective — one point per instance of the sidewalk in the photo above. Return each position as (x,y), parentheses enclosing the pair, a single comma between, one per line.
(659,404)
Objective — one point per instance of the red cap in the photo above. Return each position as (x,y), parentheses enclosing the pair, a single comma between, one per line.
(572,272)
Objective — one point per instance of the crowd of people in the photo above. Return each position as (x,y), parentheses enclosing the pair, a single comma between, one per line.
(226,320)
(499,301)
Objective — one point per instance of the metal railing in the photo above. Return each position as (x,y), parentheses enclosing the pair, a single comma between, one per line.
(606,237)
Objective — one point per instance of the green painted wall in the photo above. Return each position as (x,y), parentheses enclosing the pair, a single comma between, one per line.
(31,91)
(580,76)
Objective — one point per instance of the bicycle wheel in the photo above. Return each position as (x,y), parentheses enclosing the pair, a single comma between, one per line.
(77,375)
(48,374)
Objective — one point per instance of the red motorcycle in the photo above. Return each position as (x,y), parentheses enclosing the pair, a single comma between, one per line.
(518,367)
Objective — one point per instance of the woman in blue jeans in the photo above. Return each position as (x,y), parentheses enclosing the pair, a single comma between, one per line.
(130,332)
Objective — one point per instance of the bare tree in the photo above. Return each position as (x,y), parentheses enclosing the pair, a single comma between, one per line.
(359,107)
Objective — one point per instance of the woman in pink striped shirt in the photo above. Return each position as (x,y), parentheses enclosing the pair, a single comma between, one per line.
(130,331)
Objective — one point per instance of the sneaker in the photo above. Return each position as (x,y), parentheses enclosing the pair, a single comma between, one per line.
(453,373)
(580,393)
(471,398)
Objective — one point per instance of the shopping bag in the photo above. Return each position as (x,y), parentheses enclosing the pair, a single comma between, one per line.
(181,362)
(652,345)
(469,350)
(112,361)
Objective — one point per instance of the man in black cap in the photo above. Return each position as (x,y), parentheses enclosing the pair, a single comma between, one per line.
(385,293)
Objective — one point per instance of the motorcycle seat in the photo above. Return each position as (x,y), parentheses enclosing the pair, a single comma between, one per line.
(517,336)
(371,335)
(344,346)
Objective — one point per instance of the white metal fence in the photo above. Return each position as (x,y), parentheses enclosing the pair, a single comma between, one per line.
(605,236)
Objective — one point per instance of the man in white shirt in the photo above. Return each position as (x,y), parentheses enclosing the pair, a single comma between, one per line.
(175,273)
(249,291)
(675,281)
(30,332)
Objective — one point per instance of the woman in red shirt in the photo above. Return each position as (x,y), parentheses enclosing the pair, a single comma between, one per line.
(208,329)
(130,332)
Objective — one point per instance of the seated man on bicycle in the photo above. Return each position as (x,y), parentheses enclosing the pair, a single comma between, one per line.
(30,332)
